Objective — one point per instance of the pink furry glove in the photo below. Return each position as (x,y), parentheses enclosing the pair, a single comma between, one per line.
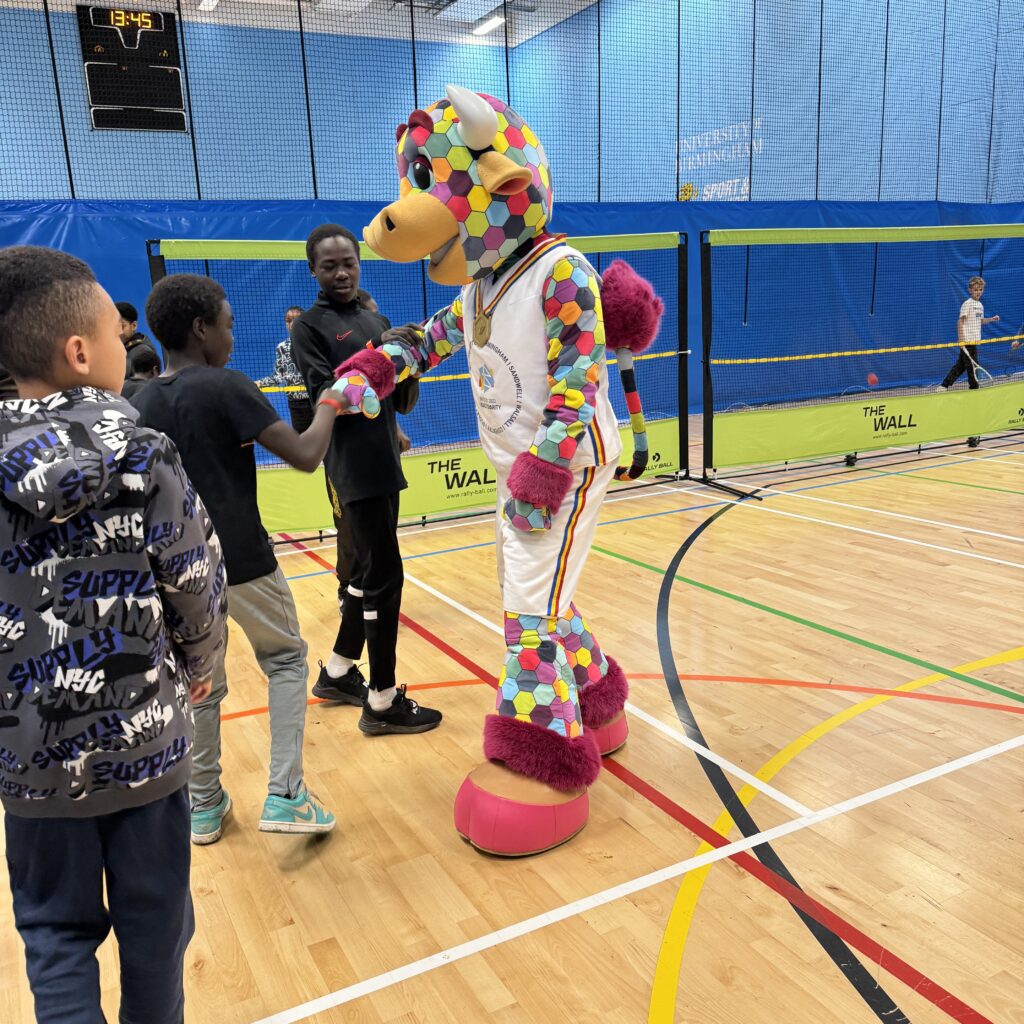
(632,312)
(363,380)
(537,489)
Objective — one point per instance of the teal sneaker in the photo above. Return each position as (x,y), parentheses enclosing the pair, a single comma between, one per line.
(302,813)
(208,824)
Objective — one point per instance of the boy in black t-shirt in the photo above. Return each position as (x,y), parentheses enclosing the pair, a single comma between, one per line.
(214,415)
(364,477)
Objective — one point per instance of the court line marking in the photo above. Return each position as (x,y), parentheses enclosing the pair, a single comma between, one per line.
(675,488)
(666,730)
(820,627)
(665,985)
(761,507)
(573,909)
(934,698)
(975,458)
(883,512)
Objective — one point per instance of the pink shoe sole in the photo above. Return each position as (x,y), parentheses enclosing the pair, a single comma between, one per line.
(611,735)
(508,828)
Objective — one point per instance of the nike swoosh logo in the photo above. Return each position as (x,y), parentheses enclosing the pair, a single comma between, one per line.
(307,815)
(342,337)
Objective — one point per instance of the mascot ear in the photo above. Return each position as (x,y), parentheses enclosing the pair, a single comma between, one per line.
(400,131)
(500,176)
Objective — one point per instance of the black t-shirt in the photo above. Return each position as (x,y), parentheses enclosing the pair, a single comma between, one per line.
(213,417)
(363,459)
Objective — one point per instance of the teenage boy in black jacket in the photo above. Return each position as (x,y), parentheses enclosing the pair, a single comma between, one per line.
(365,476)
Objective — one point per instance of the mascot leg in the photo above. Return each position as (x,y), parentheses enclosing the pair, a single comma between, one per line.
(531,794)
(601,683)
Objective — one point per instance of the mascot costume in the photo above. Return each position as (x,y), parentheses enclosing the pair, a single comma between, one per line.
(475,198)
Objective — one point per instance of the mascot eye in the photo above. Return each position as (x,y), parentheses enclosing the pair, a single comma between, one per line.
(422,176)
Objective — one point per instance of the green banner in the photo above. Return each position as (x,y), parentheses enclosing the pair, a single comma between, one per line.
(275,249)
(440,483)
(776,435)
(847,236)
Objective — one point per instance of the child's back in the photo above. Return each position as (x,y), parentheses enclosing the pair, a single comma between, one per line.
(110,604)
(112,615)
(213,415)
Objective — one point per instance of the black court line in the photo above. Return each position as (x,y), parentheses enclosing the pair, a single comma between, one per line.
(838,951)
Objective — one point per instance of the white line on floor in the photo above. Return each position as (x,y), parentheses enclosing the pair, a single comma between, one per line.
(761,507)
(617,892)
(667,730)
(883,512)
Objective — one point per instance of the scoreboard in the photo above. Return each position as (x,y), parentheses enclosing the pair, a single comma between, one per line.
(132,69)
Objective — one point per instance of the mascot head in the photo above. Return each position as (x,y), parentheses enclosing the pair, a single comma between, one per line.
(474,185)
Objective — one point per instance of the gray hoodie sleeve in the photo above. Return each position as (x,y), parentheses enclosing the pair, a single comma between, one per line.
(185,556)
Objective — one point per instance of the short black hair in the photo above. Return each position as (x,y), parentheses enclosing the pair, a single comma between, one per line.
(128,312)
(45,297)
(145,362)
(176,301)
(317,235)
(296,309)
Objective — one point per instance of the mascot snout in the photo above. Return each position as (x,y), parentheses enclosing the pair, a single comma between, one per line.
(414,228)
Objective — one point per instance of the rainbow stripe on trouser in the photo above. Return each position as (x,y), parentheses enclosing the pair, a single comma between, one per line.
(551,652)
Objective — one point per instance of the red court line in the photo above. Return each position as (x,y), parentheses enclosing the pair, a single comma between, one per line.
(936,698)
(319,700)
(897,967)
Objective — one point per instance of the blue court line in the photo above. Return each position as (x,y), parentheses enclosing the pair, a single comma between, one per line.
(865,475)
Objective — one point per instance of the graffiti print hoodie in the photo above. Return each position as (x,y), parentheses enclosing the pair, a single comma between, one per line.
(112,597)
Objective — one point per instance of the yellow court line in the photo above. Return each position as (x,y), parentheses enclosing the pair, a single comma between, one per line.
(664,989)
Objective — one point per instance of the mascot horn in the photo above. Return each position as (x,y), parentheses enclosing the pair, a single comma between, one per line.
(535,319)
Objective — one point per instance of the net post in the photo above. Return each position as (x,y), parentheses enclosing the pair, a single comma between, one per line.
(683,368)
(707,445)
(157,265)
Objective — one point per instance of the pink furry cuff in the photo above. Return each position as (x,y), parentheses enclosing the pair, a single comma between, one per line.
(538,482)
(375,366)
(542,754)
(632,312)
(605,698)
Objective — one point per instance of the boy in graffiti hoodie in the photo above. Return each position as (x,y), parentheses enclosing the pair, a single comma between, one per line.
(111,613)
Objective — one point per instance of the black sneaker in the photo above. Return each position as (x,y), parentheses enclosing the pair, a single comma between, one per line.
(404,715)
(347,689)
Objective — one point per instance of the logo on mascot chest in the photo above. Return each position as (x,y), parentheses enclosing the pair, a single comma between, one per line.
(484,378)
(498,391)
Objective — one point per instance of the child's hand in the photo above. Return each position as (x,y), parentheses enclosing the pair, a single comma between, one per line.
(199,689)
(412,334)
(404,443)
(995,319)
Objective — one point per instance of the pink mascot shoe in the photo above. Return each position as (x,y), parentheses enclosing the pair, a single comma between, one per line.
(531,793)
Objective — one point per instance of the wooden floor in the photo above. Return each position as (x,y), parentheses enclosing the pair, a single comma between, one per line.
(852,630)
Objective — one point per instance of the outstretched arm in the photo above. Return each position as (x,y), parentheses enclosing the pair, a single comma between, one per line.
(541,477)
(416,351)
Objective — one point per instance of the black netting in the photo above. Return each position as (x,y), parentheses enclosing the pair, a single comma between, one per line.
(298,99)
(795,324)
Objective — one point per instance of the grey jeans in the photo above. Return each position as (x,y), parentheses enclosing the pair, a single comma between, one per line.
(265,611)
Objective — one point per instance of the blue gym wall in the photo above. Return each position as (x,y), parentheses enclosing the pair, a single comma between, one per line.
(951,131)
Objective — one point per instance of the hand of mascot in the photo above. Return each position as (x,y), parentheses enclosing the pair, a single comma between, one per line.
(364,381)
(356,396)
(537,489)
(527,517)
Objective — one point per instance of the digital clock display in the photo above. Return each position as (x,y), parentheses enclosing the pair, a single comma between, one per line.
(134,21)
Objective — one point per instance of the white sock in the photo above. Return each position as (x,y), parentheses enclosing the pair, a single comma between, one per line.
(337,666)
(381,700)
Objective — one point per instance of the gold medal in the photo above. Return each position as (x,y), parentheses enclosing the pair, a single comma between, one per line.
(481,329)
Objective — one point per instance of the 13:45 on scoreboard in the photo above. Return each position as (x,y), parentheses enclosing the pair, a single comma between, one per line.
(132,69)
